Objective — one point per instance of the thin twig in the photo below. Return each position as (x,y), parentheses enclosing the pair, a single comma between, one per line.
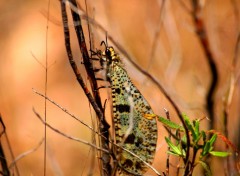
(26,153)
(203,38)
(139,159)
(230,92)
(200,30)
(5,171)
(86,59)
(95,101)
(73,116)
(93,153)
(67,136)
(169,136)
(45,92)
(8,144)
(66,111)
(156,35)
(3,161)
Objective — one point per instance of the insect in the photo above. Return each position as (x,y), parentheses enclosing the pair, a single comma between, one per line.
(133,130)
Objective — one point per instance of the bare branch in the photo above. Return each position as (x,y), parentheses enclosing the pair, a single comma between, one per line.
(67,136)
(204,40)
(26,153)
(94,100)
(73,116)
(2,157)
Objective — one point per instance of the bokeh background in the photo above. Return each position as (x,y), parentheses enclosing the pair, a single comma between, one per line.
(163,43)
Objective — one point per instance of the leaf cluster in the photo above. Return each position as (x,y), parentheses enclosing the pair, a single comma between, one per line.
(201,143)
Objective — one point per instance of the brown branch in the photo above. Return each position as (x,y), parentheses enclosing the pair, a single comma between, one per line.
(73,64)
(2,155)
(3,161)
(230,92)
(169,136)
(67,112)
(201,32)
(204,40)
(67,136)
(95,101)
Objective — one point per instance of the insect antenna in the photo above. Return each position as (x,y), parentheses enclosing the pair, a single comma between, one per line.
(106,39)
(103,42)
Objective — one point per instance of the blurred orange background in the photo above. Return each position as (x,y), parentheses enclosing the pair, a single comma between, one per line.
(178,62)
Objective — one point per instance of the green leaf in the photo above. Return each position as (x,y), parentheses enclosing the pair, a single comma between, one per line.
(188,123)
(173,148)
(198,138)
(172,153)
(170,124)
(206,148)
(196,127)
(207,170)
(213,139)
(220,154)
(187,120)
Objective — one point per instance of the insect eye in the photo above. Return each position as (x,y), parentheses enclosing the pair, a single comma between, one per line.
(108,52)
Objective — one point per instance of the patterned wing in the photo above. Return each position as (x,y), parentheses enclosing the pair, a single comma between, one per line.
(129,107)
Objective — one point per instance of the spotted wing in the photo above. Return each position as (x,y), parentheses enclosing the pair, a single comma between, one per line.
(129,107)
